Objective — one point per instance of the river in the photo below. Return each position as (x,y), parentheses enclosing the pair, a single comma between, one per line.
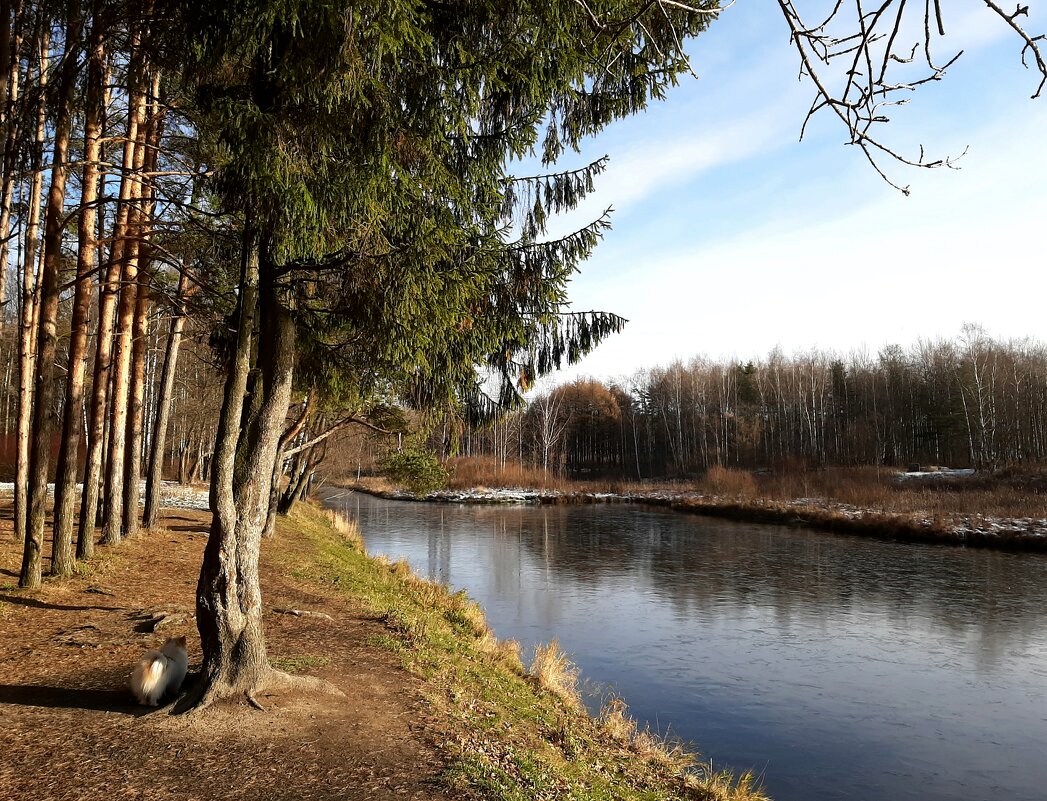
(836,667)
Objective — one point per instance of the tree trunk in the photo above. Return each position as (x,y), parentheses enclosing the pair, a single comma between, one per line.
(140,327)
(228,597)
(136,408)
(298,485)
(163,407)
(274,490)
(294,480)
(97,436)
(47,330)
(112,531)
(183,463)
(10,46)
(27,317)
(72,426)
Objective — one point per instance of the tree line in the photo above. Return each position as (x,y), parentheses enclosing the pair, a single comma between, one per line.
(969,401)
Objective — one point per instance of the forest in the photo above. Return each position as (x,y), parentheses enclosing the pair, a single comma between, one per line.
(972,401)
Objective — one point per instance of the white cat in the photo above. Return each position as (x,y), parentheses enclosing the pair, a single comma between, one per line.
(160,672)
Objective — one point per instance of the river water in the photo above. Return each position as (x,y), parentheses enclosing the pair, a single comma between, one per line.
(835,667)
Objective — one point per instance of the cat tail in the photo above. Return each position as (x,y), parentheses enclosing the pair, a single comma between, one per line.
(153,674)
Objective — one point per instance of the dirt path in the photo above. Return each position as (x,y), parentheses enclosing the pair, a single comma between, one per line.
(69,728)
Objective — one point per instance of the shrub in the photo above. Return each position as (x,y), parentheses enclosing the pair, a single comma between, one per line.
(416,469)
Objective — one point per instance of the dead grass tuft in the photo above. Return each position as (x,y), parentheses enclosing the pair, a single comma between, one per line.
(620,726)
(708,784)
(554,671)
(616,721)
(347,528)
(461,610)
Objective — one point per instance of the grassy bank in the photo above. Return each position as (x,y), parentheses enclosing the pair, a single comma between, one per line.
(1004,509)
(509,733)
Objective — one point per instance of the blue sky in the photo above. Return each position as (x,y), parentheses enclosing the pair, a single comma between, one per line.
(731,238)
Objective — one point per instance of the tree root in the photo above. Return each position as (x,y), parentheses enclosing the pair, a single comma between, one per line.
(193,701)
(278,680)
(203,694)
(253,701)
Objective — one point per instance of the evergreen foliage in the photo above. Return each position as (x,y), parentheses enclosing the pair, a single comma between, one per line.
(416,468)
(369,144)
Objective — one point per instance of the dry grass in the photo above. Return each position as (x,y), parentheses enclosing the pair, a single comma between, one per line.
(699,778)
(711,785)
(621,727)
(729,481)
(378,485)
(469,472)
(505,652)
(478,472)
(1011,492)
(554,671)
(345,527)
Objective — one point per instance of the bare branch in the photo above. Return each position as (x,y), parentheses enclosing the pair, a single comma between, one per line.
(1031,45)
(869,43)
(345,422)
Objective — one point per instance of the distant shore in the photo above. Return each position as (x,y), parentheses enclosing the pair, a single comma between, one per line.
(972,530)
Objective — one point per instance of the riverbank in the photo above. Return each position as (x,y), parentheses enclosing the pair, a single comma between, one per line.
(911,524)
(435,707)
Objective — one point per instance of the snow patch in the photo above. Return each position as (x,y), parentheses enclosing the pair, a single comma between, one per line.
(172,494)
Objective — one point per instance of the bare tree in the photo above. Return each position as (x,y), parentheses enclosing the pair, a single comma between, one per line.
(551,421)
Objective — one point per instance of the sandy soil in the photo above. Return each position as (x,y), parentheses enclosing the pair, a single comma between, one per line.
(69,728)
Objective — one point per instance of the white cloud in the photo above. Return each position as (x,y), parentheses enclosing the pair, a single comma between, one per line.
(884,269)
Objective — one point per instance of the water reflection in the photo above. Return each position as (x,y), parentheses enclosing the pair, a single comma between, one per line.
(847,669)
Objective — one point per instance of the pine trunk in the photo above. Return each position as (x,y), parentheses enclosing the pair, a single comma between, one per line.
(140,328)
(47,328)
(136,408)
(72,423)
(97,431)
(27,315)
(9,48)
(120,367)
